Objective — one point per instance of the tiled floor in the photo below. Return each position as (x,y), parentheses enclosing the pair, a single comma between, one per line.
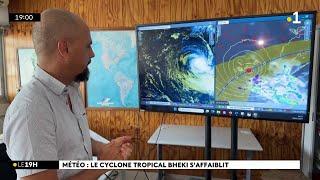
(266,175)
(153,176)
(283,174)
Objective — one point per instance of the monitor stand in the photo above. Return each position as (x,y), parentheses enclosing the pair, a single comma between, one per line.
(207,149)
(234,144)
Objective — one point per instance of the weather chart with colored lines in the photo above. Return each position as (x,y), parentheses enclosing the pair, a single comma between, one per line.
(256,63)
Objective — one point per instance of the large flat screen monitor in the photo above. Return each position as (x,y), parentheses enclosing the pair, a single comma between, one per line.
(251,67)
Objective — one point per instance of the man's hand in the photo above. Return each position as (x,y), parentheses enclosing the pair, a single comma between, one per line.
(126,150)
(118,149)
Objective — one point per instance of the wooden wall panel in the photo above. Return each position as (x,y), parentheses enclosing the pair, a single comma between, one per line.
(279,140)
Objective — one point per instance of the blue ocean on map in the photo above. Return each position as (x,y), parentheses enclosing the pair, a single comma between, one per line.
(113,80)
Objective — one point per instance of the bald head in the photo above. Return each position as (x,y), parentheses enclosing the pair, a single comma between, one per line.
(55,25)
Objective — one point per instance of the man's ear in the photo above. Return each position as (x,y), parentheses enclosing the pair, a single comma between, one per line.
(63,48)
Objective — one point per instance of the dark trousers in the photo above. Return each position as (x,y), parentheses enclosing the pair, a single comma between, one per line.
(6,169)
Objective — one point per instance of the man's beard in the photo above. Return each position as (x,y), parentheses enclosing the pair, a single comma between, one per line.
(84,76)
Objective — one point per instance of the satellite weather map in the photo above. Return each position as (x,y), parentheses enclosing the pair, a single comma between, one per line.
(261,62)
(179,65)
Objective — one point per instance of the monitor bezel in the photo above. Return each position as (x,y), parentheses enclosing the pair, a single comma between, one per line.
(313,29)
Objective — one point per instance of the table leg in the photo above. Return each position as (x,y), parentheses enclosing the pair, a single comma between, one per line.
(159,157)
(249,155)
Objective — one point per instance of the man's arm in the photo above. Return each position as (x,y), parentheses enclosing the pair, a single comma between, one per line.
(118,149)
(47,175)
(52,175)
(96,147)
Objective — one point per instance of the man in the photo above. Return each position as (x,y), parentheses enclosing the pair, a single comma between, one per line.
(47,119)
